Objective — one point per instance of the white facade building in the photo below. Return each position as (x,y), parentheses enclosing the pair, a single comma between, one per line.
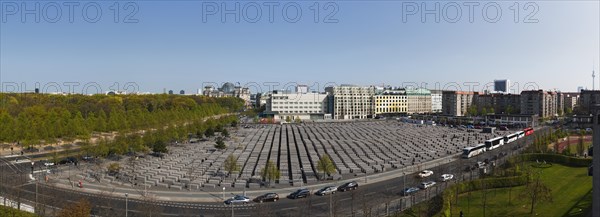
(291,106)
(436,101)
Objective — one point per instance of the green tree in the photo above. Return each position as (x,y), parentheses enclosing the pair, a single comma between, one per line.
(484,111)
(219,144)
(225,133)
(7,127)
(114,168)
(209,132)
(270,172)
(580,147)
(230,165)
(160,146)
(297,120)
(509,110)
(82,208)
(536,192)
(325,165)
(288,119)
(472,110)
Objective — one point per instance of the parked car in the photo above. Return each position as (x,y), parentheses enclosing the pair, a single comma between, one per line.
(480,164)
(409,191)
(300,193)
(237,199)
(425,173)
(348,186)
(267,197)
(447,177)
(68,160)
(428,184)
(326,190)
(503,128)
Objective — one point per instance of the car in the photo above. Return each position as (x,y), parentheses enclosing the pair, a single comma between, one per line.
(425,173)
(300,193)
(409,191)
(47,163)
(237,199)
(447,177)
(267,197)
(428,184)
(348,186)
(480,164)
(68,160)
(588,129)
(503,128)
(326,190)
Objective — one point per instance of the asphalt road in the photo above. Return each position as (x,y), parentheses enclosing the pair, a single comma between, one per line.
(345,203)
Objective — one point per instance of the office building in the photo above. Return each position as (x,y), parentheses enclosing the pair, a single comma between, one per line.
(539,102)
(351,102)
(436,101)
(418,101)
(286,106)
(391,101)
(457,103)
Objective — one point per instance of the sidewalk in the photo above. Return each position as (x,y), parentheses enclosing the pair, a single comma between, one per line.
(207,196)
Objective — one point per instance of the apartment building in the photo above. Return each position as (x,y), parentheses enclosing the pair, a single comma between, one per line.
(457,103)
(351,102)
(540,102)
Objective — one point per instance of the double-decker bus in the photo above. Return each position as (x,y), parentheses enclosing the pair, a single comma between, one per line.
(469,152)
(528,131)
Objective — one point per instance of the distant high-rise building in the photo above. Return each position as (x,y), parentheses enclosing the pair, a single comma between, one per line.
(502,85)
(170,92)
(182,92)
(579,89)
(301,89)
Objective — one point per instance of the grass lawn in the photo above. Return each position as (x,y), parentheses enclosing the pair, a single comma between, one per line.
(570,186)
(573,147)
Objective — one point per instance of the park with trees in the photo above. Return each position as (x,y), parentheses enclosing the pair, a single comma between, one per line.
(114,123)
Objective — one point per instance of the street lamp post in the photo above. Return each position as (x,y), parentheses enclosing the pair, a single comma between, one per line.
(404,182)
(36,188)
(126,204)
(301,177)
(223,193)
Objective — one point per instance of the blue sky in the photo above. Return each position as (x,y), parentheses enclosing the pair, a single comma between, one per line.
(171,47)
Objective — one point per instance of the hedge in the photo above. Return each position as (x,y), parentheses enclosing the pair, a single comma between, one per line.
(557,158)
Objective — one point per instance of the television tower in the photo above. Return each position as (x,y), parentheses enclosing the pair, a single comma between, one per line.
(593,79)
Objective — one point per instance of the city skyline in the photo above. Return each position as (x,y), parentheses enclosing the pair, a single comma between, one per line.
(183,47)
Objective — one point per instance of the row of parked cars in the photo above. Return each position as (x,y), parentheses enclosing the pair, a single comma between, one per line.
(300,193)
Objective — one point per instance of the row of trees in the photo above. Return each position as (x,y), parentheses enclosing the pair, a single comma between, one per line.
(541,142)
(40,118)
(271,173)
(155,140)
